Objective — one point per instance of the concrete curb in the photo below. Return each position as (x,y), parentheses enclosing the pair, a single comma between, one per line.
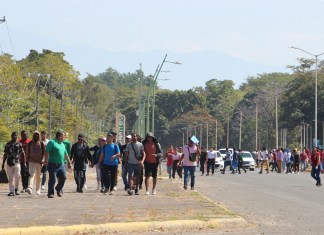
(186,225)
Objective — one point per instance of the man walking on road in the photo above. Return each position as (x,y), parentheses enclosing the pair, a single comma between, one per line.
(135,161)
(228,160)
(153,153)
(55,157)
(80,156)
(12,153)
(316,166)
(45,141)
(24,140)
(109,158)
(35,156)
(264,155)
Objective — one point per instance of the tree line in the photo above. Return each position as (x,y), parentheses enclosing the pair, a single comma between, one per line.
(89,105)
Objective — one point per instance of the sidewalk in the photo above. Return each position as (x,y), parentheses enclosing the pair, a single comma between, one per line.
(74,213)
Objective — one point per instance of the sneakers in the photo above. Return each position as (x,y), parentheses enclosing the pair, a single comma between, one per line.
(43,187)
(110,193)
(130,192)
(50,196)
(136,191)
(105,191)
(85,186)
(29,190)
(185,187)
(38,192)
(23,190)
(17,192)
(154,192)
(147,192)
(207,174)
(11,194)
(115,188)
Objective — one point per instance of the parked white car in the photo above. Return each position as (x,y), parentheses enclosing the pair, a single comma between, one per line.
(219,162)
(248,161)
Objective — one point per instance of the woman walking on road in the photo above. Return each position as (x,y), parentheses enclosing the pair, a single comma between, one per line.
(189,158)
(202,159)
(176,156)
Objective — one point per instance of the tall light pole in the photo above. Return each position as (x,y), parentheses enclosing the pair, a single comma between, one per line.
(227,136)
(316,72)
(155,79)
(240,137)
(216,134)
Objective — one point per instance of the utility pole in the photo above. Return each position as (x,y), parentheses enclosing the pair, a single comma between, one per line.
(61,105)
(256,125)
(50,106)
(140,102)
(200,135)
(207,136)
(183,136)
(240,137)
(216,135)
(37,102)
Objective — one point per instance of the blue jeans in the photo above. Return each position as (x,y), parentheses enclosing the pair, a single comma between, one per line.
(124,176)
(55,170)
(189,170)
(316,172)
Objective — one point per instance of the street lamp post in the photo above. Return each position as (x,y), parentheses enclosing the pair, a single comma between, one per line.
(155,79)
(316,72)
(240,137)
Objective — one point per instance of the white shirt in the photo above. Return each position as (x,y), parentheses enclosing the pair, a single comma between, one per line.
(176,156)
(211,154)
(264,155)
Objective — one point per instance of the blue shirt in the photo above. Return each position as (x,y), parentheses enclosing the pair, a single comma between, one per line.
(110,150)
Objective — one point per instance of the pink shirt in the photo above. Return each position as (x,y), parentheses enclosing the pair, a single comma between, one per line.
(186,149)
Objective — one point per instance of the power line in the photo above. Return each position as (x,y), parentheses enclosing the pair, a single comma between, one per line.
(13,51)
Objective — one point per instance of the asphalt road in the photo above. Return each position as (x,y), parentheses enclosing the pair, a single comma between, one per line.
(273,203)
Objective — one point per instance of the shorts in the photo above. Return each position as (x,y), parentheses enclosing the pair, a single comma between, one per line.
(134,169)
(151,169)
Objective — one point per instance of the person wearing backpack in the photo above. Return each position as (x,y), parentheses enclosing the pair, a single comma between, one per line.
(80,156)
(153,153)
(12,152)
(109,158)
(35,157)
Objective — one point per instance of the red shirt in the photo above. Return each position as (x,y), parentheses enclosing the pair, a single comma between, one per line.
(303,156)
(169,159)
(314,158)
(150,149)
(24,144)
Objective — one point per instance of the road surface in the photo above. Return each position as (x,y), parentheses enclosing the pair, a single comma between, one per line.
(273,203)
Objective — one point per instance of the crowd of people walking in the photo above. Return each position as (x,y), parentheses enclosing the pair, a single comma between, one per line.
(30,160)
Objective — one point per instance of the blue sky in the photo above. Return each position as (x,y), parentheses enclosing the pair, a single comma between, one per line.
(223,39)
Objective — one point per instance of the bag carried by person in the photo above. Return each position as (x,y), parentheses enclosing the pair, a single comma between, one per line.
(192,156)
(3,177)
(138,156)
